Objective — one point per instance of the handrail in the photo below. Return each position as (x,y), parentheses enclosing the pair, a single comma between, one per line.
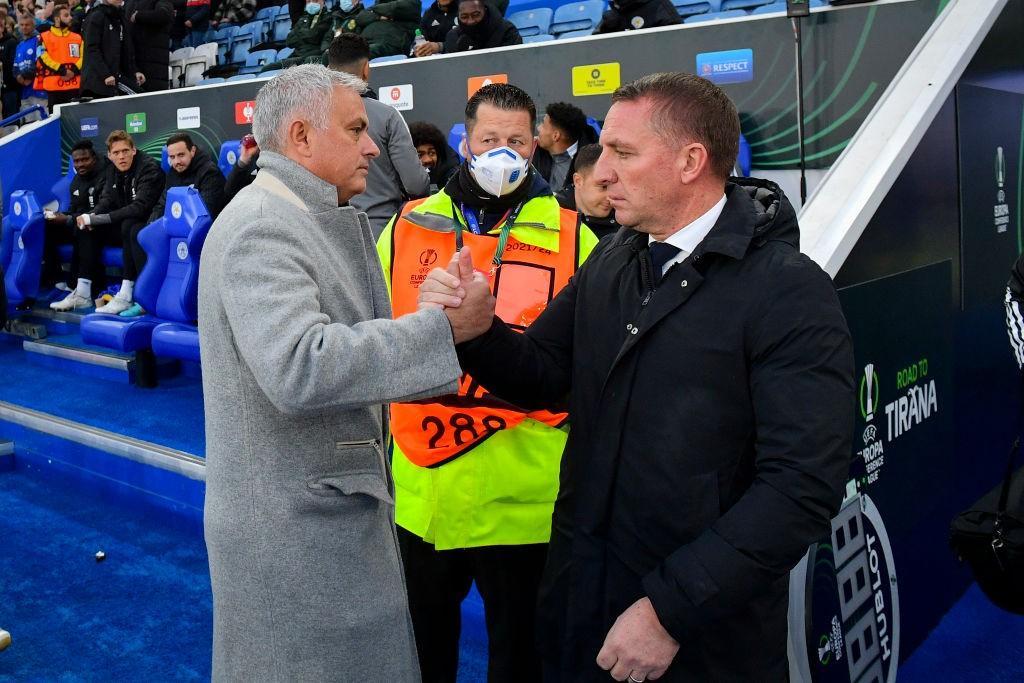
(23,113)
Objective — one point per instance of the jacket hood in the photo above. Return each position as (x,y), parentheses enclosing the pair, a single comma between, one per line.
(774,218)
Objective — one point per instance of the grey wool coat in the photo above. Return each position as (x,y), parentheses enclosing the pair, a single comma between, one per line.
(299,358)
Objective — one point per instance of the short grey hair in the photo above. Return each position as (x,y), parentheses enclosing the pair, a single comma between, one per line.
(302,92)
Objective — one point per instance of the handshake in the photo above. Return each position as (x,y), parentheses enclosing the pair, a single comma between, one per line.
(464,295)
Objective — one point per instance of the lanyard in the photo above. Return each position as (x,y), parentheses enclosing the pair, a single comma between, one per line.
(474,227)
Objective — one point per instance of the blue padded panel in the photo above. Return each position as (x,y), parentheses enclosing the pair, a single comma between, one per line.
(21,248)
(169,284)
(115,332)
(282,25)
(165,163)
(455,136)
(592,122)
(261,57)
(175,340)
(715,16)
(532,22)
(228,156)
(582,33)
(577,16)
(62,189)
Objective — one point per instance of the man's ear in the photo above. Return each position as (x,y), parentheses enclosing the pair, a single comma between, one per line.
(298,138)
(693,162)
(366,71)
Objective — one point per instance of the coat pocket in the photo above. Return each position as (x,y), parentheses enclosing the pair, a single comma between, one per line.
(351,484)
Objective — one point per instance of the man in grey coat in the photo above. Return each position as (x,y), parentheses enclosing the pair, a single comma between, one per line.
(299,359)
(397,174)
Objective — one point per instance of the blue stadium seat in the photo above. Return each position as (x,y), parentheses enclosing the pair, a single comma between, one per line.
(169,283)
(577,16)
(62,188)
(176,340)
(744,4)
(532,22)
(583,33)
(687,8)
(248,35)
(223,37)
(282,25)
(229,152)
(256,60)
(285,52)
(592,122)
(21,247)
(389,58)
(745,156)
(770,9)
(714,16)
(165,163)
(112,256)
(267,13)
(240,77)
(455,137)
(539,38)
(210,81)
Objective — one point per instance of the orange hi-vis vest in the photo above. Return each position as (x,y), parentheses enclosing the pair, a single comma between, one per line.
(58,49)
(433,432)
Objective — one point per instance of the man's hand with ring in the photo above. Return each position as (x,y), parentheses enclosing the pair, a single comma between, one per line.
(637,647)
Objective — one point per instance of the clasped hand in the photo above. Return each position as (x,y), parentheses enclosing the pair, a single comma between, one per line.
(463,293)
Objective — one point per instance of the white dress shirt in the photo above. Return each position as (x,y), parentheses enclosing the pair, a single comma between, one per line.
(689,236)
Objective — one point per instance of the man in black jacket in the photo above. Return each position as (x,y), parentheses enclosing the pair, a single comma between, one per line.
(87,272)
(589,195)
(191,166)
(109,53)
(629,15)
(562,131)
(133,186)
(480,26)
(151,35)
(710,381)
(9,87)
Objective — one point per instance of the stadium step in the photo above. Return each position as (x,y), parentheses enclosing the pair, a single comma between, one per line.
(68,353)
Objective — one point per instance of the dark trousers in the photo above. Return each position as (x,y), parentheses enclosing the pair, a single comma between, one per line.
(507,577)
(56,234)
(132,252)
(86,259)
(60,97)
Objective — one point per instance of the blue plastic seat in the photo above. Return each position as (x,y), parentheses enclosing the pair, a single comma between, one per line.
(223,37)
(389,58)
(715,16)
(539,38)
(209,81)
(455,137)
(769,9)
(744,4)
(267,13)
(169,283)
(532,22)
(583,33)
(687,8)
(229,152)
(21,247)
(285,53)
(62,189)
(165,163)
(240,77)
(256,60)
(281,27)
(577,16)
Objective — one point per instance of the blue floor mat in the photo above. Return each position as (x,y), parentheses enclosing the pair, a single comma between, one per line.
(170,415)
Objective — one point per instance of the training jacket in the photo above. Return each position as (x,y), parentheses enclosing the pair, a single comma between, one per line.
(151,35)
(201,174)
(131,194)
(496,32)
(108,51)
(712,419)
(436,22)
(629,15)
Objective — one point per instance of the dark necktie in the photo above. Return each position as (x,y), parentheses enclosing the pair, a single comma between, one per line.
(661,253)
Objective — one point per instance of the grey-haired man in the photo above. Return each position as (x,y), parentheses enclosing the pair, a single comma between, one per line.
(299,357)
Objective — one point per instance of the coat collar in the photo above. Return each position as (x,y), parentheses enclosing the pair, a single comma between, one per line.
(315,194)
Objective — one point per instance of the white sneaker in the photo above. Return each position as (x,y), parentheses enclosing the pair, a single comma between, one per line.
(72,302)
(114,306)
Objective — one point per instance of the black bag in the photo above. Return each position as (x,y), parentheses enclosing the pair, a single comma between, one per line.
(990,538)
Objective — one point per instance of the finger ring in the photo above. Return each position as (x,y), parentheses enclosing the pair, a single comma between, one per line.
(637,680)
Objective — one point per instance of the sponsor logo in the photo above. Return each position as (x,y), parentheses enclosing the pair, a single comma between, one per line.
(398,96)
(90,127)
(868,392)
(729,66)
(135,123)
(182,250)
(1001,210)
(595,79)
(176,209)
(474,83)
(244,111)
(188,117)
(428,257)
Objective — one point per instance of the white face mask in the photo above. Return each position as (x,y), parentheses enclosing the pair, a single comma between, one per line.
(499,171)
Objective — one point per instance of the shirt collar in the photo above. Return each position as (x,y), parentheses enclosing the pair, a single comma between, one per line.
(689,236)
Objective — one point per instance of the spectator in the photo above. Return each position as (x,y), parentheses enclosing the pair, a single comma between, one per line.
(387,26)
(191,167)
(78,10)
(243,173)
(435,155)
(151,34)
(559,134)
(87,261)
(25,67)
(440,18)
(132,189)
(197,15)
(627,15)
(589,195)
(59,60)
(179,31)
(109,58)
(307,34)
(480,26)
(396,174)
(9,85)
(233,12)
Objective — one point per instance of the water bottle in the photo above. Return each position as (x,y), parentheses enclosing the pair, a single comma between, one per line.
(417,40)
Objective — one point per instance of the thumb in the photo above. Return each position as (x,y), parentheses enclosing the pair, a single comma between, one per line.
(453,266)
(465,264)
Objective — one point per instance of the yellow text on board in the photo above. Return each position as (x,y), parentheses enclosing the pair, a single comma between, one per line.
(595,79)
